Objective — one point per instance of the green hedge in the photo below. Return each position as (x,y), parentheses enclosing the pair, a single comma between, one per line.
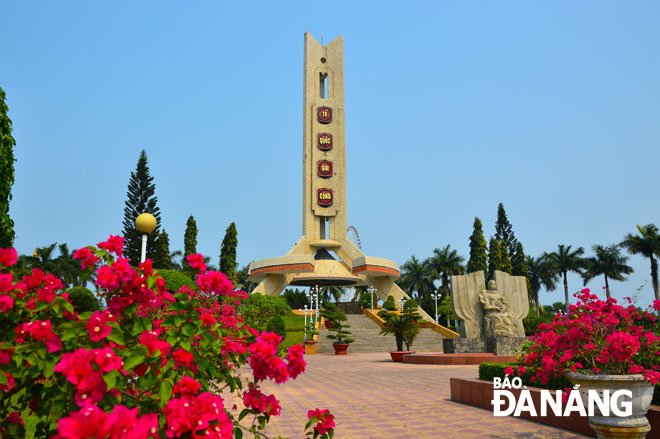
(83,300)
(488,371)
(174,280)
(276,325)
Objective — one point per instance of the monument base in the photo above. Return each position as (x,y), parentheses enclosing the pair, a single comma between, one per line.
(506,346)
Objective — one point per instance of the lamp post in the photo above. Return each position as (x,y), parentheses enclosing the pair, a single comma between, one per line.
(313,300)
(145,223)
(305,331)
(371,291)
(402,301)
(435,297)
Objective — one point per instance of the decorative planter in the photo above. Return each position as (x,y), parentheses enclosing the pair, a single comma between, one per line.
(634,426)
(310,347)
(397,356)
(328,324)
(340,348)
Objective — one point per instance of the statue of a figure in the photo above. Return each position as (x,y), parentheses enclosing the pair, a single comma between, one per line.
(497,322)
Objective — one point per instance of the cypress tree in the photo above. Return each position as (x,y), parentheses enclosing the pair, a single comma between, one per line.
(7,160)
(505,260)
(504,230)
(478,250)
(189,240)
(141,199)
(494,257)
(228,252)
(518,264)
(161,257)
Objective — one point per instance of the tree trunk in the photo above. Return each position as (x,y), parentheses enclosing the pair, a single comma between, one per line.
(536,301)
(566,290)
(399,341)
(607,288)
(654,277)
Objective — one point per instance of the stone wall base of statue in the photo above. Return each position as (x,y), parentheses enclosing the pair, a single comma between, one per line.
(506,346)
(491,317)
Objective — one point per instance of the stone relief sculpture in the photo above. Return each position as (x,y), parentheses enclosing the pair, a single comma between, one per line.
(496,311)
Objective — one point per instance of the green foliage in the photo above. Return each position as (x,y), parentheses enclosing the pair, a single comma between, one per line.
(518,263)
(564,260)
(365,300)
(161,257)
(174,280)
(276,324)
(505,260)
(389,304)
(608,262)
(7,160)
(258,308)
(445,309)
(402,325)
(504,231)
(478,250)
(416,276)
(444,263)
(83,300)
(555,308)
(531,322)
(336,317)
(488,371)
(141,199)
(295,298)
(539,274)
(494,257)
(228,252)
(189,241)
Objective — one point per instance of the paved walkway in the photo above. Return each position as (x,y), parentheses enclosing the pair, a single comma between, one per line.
(372,397)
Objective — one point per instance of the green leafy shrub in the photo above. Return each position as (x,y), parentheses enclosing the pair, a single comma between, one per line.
(258,308)
(389,304)
(174,280)
(365,301)
(83,300)
(276,324)
(488,371)
(336,317)
(296,299)
(402,325)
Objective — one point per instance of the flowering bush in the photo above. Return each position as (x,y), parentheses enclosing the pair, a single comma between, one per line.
(152,364)
(596,336)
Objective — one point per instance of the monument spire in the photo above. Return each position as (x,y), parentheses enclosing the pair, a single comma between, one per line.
(324,255)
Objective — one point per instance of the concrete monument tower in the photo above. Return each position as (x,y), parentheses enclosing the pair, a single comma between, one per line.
(324,255)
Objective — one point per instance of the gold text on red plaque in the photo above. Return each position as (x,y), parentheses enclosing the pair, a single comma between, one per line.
(324,114)
(324,168)
(324,197)
(324,141)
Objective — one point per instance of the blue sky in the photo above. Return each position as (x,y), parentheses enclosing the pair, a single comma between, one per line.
(452,107)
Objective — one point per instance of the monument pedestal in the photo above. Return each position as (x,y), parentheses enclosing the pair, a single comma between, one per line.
(500,346)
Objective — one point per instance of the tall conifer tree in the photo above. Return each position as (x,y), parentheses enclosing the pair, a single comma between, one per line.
(504,230)
(228,252)
(189,240)
(505,260)
(478,249)
(518,262)
(494,257)
(7,160)
(162,258)
(141,199)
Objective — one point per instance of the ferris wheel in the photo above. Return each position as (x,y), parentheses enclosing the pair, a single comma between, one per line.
(354,236)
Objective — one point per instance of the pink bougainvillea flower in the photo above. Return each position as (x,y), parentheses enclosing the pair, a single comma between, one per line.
(106,359)
(8,257)
(150,340)
(325,420)
(6,282)
(41,330)
(197,262)
(186,387)
(508,371)
(295,361)
(85,423)
(86,257)
(114,244)
(5,355)
(106,278)
(124,423)
(215,282)
(6,303)
(182,358)
(10,382)
(97,325)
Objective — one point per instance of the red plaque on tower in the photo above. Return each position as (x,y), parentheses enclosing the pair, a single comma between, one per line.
(324,114)
(324,197)
(324,168)
(324,141)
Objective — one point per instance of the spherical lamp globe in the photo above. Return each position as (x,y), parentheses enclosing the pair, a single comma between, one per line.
(145,223)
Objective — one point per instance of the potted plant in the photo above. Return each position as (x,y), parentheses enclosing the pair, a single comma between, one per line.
(340,333)
(308,334)
(602,345)
(327,311)
(403,325)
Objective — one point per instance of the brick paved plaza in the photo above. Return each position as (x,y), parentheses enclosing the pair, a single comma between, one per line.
(372,397)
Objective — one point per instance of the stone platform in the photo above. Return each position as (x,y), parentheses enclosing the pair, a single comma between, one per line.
(456,359)
(498,346)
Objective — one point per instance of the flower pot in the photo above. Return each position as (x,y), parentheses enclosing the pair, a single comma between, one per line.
(328,324)
(397,356)
(340,348)
(634,426)
(310,347)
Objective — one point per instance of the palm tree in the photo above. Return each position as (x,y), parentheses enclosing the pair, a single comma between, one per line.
(444,263)
(416,276)
(564,260)
(647,244)
(539,274)
(608,262)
